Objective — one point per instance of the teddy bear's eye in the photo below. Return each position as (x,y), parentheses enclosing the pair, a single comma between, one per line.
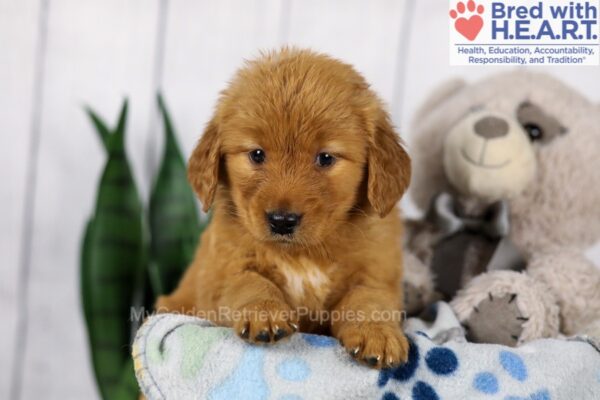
(534,131)
(257,156)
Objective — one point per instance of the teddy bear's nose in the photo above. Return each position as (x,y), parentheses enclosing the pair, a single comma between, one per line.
(491,127)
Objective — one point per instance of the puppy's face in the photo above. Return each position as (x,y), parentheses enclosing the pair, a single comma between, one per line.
(299,144)
(294,180)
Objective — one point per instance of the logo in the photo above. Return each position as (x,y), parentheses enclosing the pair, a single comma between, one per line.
(471,26)
(524,32)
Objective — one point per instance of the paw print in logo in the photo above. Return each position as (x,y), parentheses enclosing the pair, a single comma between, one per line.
(471,26)
(488,383)
(441,361)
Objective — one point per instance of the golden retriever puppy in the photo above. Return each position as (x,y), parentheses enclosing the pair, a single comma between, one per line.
(303,171)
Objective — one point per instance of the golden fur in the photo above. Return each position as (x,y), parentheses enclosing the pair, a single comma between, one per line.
(345,256)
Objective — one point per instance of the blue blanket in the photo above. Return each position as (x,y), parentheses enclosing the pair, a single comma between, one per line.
(181,357)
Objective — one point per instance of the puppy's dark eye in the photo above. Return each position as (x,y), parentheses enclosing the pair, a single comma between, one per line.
(534,131)
(257,156)
(325,160)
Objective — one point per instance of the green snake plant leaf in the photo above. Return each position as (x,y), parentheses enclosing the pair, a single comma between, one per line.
(174,222)
(112,264)
(128,386)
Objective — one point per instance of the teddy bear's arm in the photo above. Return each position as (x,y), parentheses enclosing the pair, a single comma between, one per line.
(575,281)
(419,240)
(506,307)
(417,284)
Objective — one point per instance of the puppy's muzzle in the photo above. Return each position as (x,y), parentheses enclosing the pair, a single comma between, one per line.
(282,222)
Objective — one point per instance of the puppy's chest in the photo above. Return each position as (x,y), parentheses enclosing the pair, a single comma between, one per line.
(305,283)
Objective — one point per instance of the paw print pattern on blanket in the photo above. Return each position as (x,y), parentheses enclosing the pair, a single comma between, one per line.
(293,369)
(319,341)
(296,369)
(248,374)
(489,384)
(441,361)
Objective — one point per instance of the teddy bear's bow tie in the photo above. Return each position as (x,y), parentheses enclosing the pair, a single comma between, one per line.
(494,222)
(457,233)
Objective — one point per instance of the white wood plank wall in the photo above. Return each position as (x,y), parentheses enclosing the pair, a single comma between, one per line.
(58,55)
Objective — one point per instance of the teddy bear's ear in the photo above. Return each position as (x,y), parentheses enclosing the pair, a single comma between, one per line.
(438,96)
(429,128)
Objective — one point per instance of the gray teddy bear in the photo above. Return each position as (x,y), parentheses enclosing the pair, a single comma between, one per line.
(507,173)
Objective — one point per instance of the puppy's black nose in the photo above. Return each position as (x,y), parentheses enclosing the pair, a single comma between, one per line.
(282,222)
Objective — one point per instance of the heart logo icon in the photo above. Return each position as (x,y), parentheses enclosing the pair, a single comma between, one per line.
(469,28)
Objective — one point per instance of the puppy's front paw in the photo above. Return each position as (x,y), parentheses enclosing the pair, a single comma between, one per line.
(265,321)
(377,344)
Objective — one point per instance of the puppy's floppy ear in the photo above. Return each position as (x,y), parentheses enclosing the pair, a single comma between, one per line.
(203,167)
(388,167)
